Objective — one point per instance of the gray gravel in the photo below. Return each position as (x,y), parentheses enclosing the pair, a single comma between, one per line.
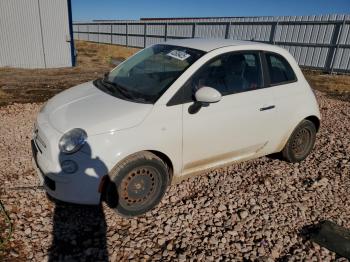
(253,210)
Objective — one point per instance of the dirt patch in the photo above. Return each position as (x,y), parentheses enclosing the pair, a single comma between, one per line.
(335,86)
(38,85)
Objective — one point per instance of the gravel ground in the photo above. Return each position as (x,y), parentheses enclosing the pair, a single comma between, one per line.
(249,211)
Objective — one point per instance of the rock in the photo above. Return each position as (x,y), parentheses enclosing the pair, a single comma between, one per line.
(323,182)
(28,231)
(266,216)
(14,253)
(232,233)
(267,183)
(161,241)
(169,246)
(218,215)
(275,253)
(181,257)
(252,202)
(261,251)
(243,214)
(213,240)
(222,208)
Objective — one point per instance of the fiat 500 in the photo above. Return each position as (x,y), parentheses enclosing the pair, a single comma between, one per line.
(172,110)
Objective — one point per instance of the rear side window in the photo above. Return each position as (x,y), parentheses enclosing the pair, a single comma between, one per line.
(230,74)
(279,69)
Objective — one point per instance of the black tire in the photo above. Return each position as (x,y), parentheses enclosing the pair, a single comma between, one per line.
(137,184)
(300,143)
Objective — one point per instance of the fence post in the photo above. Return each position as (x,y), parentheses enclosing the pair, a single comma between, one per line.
(273,32)
(227,30)
(144,34)
(98,33)
(338,43)
(166,31)
(111,34)
(126,35)
(193,30)
(333,48)
(88,31)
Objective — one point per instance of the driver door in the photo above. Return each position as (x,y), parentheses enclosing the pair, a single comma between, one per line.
(239,125)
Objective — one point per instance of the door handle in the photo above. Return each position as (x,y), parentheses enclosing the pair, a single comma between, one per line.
(267,108)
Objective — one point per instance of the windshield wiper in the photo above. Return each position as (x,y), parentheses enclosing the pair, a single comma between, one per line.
(125,92)
(117,87)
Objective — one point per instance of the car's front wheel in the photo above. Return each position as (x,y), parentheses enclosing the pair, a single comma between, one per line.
(300,142)
(137,184)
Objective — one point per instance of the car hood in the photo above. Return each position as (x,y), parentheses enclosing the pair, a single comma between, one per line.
(85,106)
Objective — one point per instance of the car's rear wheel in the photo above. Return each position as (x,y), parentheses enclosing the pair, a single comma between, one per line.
(300,143)
(137,184)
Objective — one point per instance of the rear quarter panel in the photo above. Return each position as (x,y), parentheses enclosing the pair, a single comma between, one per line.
(294,102)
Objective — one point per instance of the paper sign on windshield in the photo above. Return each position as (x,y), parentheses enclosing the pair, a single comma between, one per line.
(180,55)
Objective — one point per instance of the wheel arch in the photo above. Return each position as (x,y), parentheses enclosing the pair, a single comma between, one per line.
(315,120)
(166,159)
(163,156)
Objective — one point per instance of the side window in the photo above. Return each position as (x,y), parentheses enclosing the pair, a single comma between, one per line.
(279,69)
(230,74)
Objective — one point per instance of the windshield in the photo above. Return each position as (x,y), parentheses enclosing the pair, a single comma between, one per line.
(146,76)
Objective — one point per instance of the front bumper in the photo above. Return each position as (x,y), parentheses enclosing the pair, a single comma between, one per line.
(80,187)
(43,180)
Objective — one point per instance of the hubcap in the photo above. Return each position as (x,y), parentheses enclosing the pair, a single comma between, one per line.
(301,142)
(138,187)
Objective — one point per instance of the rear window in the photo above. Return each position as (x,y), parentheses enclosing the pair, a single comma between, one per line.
(279,69)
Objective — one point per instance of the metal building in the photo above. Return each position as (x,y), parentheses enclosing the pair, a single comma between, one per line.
(36,34)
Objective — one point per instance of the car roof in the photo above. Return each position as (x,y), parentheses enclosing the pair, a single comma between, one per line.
(208,45)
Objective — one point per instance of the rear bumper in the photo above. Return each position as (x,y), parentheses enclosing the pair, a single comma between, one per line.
(80,187)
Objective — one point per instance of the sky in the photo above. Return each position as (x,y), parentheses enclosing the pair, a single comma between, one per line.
(85,10)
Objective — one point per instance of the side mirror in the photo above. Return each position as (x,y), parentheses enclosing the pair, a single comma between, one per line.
(207,95)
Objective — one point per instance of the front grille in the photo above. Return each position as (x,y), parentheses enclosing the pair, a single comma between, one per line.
(39,139)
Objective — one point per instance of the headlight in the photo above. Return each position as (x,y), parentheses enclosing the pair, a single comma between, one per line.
(72,141)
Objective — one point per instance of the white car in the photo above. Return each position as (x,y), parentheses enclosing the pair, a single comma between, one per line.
(169,111)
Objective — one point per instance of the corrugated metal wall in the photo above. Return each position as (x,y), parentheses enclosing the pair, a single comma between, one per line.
(35,33)
(319,42)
